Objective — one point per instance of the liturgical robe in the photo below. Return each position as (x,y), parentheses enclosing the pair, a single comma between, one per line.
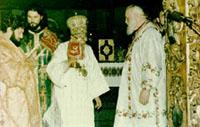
(19,96)
(143,67)
(74,93)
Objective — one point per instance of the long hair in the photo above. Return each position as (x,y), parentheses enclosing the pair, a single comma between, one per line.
(13,21)
(40,10)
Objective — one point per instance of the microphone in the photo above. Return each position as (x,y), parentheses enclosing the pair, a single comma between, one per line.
(170,33)
(179,17)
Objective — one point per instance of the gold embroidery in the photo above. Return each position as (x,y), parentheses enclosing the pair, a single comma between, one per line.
(149,67)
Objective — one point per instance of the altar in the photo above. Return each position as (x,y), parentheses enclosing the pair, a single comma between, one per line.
(112,73)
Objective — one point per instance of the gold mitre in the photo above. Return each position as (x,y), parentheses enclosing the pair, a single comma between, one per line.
(77,24)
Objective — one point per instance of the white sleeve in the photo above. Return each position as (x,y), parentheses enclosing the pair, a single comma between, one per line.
(98,84)
(57,66)
(152,56)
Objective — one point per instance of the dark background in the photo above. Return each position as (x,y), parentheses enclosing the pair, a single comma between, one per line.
(106,18)
(106,21)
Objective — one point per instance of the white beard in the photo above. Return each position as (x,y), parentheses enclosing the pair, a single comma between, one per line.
(131,27)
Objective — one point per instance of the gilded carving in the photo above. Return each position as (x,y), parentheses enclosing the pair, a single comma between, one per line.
(194,85)
(175,57)
(193,41)
(176,67)
(193,12)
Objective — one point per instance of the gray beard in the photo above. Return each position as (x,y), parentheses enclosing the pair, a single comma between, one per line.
(130,29)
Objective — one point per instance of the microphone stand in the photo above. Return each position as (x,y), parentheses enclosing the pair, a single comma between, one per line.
(193,26)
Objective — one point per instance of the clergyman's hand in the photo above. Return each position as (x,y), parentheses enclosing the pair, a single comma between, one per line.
(144,96)
(30,61)
(98,103)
